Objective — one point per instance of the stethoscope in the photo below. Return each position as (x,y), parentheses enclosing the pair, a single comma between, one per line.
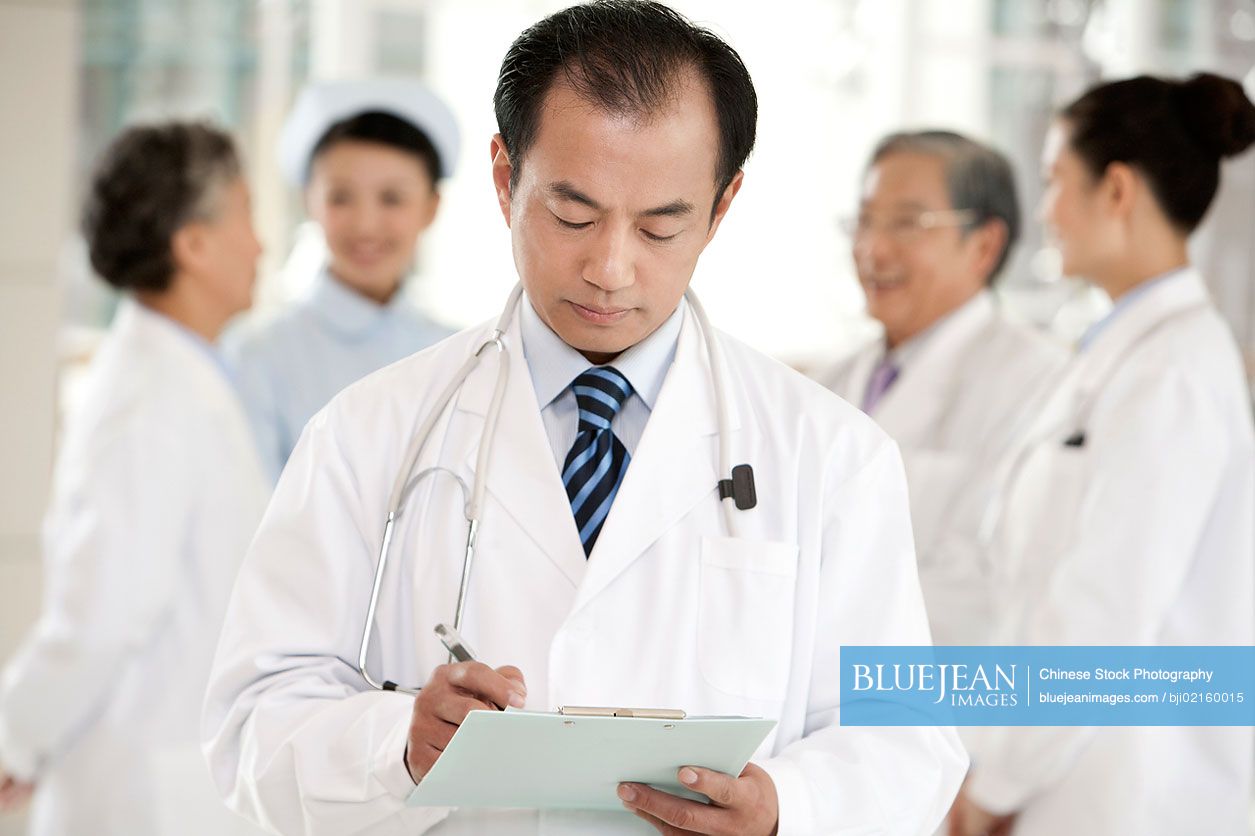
(738,486)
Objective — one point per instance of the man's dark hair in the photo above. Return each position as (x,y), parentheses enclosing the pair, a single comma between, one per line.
(1174,132)
(150,182)
(623,56)
(978,178)
(381,128)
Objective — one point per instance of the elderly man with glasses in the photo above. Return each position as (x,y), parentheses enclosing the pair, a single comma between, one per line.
(952,374)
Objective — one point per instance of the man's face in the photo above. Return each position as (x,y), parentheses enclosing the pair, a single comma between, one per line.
(914,275)
(610,213)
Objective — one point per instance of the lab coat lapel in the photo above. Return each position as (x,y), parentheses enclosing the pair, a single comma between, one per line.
(522,475)
(1163,302)
(156,341)
(674,467)
(917,405)
(1061,411)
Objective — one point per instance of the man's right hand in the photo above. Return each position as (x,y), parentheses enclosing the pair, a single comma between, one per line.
(452,692)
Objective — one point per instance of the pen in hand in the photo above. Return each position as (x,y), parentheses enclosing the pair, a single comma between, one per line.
(457,647)
(451,692)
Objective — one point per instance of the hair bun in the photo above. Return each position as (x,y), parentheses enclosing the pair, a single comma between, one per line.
(1217,112)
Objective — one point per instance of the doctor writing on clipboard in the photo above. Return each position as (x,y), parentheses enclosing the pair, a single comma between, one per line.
(607,569)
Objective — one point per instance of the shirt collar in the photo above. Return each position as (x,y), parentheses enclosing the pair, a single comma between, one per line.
(344,309)
(205,347)
(554,364)
(1126,301)
(904,354)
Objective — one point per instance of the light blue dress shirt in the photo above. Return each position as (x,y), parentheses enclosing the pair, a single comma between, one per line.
(289,367)
(554,365)
(1122,304)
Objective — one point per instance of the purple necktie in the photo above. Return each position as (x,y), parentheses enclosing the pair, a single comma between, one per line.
(882,378)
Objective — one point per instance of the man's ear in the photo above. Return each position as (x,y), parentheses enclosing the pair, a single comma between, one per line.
(502,170)
(987,242)
(725,201)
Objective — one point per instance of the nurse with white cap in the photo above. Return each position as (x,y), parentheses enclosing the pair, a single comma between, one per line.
(370,156)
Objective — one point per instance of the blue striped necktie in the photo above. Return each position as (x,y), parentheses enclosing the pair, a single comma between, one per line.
(597,461)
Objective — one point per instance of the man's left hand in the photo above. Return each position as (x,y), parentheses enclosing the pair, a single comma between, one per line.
(744,806)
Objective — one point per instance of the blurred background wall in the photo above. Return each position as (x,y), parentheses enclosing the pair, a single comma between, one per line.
(832,76)
(39,76)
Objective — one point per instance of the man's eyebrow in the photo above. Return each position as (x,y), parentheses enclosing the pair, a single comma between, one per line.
(901,206)
(565,191)
(674,209)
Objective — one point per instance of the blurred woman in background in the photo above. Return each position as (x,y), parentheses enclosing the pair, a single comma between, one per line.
(1128,513)
(369,155)
(158,489)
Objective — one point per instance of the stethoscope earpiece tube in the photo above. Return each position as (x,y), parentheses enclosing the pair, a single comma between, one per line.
(740,491)
(739,487)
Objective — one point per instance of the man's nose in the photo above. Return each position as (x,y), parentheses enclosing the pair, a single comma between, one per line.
(874,247)
(610,264)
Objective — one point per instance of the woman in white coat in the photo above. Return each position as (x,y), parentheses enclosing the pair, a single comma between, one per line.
(1128,512)
(157,492)
(370,156)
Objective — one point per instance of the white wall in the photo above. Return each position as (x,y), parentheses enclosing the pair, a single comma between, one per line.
(38,67)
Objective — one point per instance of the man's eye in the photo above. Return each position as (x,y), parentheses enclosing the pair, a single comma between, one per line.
(572,224)
(659,238)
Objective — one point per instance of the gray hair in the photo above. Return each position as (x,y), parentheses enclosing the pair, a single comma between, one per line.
(151,181)
(977,177)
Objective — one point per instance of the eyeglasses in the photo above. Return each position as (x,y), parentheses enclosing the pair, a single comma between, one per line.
(905,227)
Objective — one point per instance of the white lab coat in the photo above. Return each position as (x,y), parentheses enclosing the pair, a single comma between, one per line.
(157,492)
(953,411)
(1142,535)
(668,610)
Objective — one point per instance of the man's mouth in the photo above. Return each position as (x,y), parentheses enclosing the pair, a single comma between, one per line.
(599,315)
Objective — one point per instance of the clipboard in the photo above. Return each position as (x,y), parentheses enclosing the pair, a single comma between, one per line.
(553,761)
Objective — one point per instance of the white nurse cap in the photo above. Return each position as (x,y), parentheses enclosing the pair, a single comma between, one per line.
(323,104)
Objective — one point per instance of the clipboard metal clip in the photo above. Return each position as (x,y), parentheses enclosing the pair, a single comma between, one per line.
(598,711)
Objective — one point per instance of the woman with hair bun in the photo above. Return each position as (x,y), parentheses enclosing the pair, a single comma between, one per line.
(1127,515)
(157,491)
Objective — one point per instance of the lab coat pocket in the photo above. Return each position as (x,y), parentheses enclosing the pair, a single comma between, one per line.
(744,619)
